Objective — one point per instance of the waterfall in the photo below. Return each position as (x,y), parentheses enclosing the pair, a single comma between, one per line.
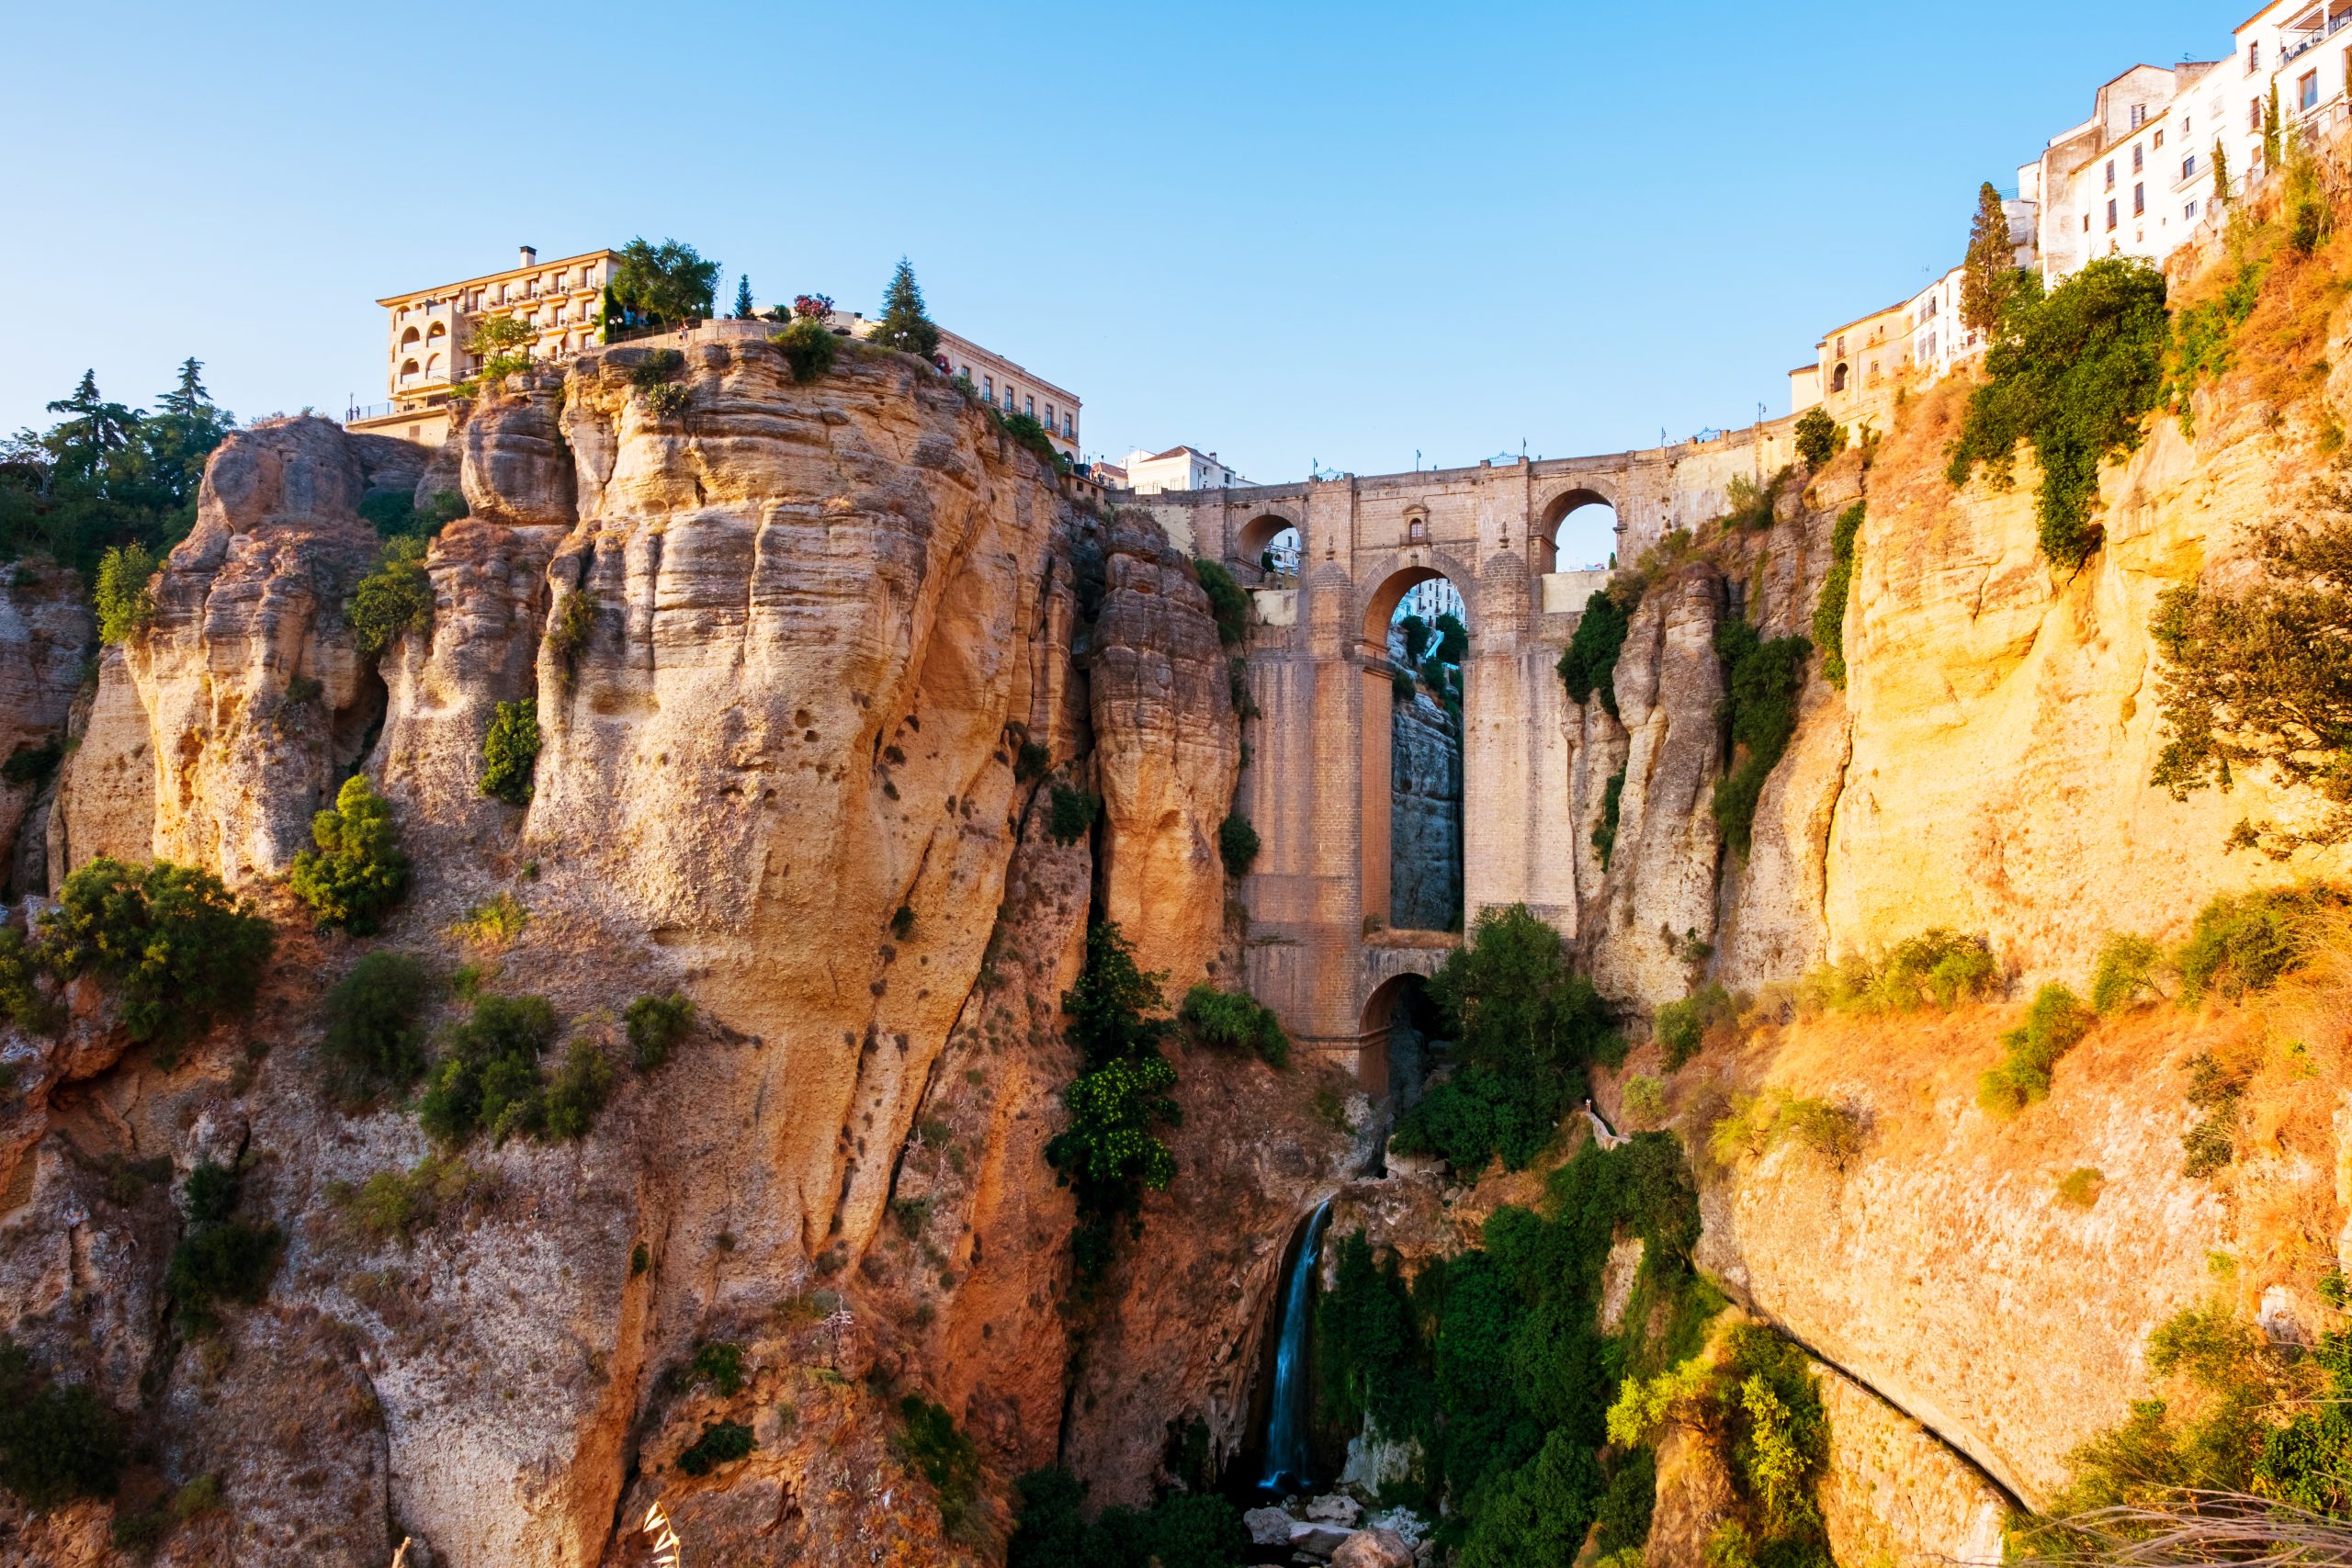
(1286,1412)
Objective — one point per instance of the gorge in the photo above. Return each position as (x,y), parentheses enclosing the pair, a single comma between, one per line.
(853,1094)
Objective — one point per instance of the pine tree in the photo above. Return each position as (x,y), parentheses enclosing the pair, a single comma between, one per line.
(188,398)
(905,326)
(744,312)
(1991,258)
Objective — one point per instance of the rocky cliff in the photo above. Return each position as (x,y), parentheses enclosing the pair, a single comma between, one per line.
(809,663)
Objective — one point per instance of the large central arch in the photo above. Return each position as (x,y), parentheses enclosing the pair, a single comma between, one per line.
(1383,782)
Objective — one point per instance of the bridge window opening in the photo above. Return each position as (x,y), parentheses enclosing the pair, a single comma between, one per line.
(1418,632)
(1578,532)
(1402,1041)
(1273,548)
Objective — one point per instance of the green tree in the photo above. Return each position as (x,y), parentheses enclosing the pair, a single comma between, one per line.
(177,948)
(662,284)
(744,312)
(179,438)
(1588,664)
(1761,681)
(2221,172)
(1989,267)
(105,475)
(394,598)
(1837,588)
(2074,376)
(57,1442)
(1819,437)
(374,1032)
(358,872)
(2270,130)
(905,326)
(124,602)
(510,751)
(1109,1154)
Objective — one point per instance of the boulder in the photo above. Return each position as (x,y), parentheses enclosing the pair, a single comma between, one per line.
(1374,1548)
(1267,1527)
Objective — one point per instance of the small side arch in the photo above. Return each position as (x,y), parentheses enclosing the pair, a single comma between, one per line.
(1543,551)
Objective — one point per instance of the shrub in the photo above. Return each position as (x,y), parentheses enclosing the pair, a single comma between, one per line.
(2241,943)
(124,604)
(2073,375)
(1819,437)
(220,1258)
(721,1442)
(2126,973)
(720,1364)
(1753,506)
(576,1090)
(492,923)
(1589,663)
(655,1025)
(1237,844)
(1937,968)
(1032,763)
(358,872)
(928,1443)
(394,598)
(808,348)
(510,751)
(2081,1186)
(1180,1530)
(1031,437)
(394,1205)
(1828,1130)
(1401,686)
(2055,1023)
(395,512)
(176,948)
(570,626)
(2215,1089)
(812,306)
(1837,588)
(1612,802)
(657,368)
(1762,682)
(33,765)
(488,1077)
(57,1442)
(1108,1154)
(1681,1026)
(375,1037)
(1235,1020)
(1071,815)
(669,400)
(1644,1101)
(1227,603)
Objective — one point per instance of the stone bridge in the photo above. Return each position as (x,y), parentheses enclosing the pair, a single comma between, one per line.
(1317,787)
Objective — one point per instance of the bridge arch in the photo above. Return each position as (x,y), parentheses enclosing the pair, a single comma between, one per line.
(1398,997)
(1272,532)
(1398,574)
(1544,551)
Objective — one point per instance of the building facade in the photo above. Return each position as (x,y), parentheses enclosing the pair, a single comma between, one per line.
(1179,468)
(426,331)
(1009,387)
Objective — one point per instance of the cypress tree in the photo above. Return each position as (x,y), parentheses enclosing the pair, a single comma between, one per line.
(906,326)
(2270,128)
(2221,174)
(1983,281)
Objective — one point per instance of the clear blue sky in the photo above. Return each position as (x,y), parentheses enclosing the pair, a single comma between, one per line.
(1289,233)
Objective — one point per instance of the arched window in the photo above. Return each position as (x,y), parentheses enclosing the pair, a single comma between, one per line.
(408,371)
(408,339)
(432,365)
(1837,379)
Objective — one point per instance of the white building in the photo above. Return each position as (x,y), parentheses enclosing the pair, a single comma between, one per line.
(2136,179)
(1179,468)
(1015,390)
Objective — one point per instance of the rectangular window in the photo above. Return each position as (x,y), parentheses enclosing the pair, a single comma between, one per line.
(2188,167)
(987,389)
(2139,200)
(1029,407)
(2307,91)
(2139,114)
(2110,174)
(2189,212)
(2137,154)
(2254,57)
(2254,115)
(1049,416)
(1070,425)
(2158,139)
(2111,215)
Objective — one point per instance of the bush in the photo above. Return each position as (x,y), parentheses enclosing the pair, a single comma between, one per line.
(220,1258)
(808,348)
(2081,1186)
(2054,1023)
(1228,602)
(1762,682)
(572,623)
(1589,663)
(394,512)
(1235,1020)
(1837,588)
(124,604)
(655,1025)
(1819,438)
(1644,1101)
(2073,375)
(1612,802)
(2126,973)
(57,1443)
(1032,762)
(358,872)
(1180,1530)
(576,1090)
(394,598)
(668,400)
(488,1077)
(1237,844)
(1071,815)
(2243,943)
(2214,1088)
(1681,1026)
(657,368)
(720,1364)
(1752,506)
(492,923)
(176,948)
(721,1442)
(1031,437)
(394,1205)
(1828,1130)
(33,765)
(1937,968)
(1401,686)
(374,1036)
(1108,1154)
(510,752)
(928,1443)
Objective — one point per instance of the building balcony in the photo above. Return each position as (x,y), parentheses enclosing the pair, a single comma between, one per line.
(2295,43)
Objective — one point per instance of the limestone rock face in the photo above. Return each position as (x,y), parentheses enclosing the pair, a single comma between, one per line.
(1425,816)
(1660,895)
(1170,749)
(1891,1494)
(46,632)
(514,466)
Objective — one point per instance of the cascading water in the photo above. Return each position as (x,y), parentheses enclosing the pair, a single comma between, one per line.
(1286,1412)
